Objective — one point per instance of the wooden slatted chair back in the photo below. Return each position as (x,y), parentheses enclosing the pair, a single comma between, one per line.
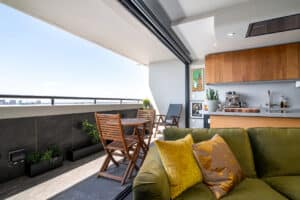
(110,128)
(148,115)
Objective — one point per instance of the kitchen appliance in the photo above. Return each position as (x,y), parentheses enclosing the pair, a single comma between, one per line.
(233,100)
(197,109)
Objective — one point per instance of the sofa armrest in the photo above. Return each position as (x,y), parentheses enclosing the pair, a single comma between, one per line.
(151,182)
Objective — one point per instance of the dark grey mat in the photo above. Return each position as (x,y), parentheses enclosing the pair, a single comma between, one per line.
(97,188)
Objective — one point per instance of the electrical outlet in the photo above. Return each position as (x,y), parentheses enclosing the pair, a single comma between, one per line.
(298,84)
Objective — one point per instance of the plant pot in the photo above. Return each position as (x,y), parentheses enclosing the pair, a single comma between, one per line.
(76,154)
(212,105)
(44,166)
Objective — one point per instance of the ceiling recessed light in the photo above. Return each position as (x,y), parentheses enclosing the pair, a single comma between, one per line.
(231,34)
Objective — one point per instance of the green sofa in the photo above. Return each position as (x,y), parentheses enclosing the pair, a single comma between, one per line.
(269,158)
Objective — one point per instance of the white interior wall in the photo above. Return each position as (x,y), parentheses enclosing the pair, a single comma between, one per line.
(167,85)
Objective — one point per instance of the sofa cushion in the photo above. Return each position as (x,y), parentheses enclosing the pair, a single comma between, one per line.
(236,138)
(220,169)
(179,163)
(276,151)
(253,189)
(199,191)
(248,189)
(289,186)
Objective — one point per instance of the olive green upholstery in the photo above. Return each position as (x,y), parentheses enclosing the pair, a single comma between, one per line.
(289,186)
(270,147)
(236,138)
(253,188)
(199,191)
(151,183)
(276,151)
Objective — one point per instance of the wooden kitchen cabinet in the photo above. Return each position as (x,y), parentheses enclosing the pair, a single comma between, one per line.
(219,121)
(280,62)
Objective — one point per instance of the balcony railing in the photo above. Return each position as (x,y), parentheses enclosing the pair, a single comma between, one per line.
(19,100)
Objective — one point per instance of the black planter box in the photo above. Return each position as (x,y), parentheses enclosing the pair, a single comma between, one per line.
(76,154)
(44,166)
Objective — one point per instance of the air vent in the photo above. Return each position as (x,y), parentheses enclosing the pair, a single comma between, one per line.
(276,25)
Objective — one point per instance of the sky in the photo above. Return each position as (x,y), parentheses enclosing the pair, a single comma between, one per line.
(40,59)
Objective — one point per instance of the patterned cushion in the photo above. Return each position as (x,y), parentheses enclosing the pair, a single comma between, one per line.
(220,169)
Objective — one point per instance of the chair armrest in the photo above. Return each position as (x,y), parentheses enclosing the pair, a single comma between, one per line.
(151,182)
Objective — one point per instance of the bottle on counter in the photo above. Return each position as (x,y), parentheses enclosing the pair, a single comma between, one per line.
(283,103)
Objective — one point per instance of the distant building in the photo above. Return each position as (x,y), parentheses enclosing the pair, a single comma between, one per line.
(12,102)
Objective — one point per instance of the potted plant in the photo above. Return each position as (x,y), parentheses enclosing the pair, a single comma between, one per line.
(93,147)
(146,104)
(212,97)
(38,163)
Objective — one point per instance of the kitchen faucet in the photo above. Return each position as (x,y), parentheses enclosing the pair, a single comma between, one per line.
(269,104)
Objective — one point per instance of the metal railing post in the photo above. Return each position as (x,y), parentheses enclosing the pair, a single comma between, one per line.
(52,102)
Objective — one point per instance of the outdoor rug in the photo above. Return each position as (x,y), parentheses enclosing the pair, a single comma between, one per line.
(93,188)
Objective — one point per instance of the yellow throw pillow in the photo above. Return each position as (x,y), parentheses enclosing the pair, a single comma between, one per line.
(220,169)
(179,163)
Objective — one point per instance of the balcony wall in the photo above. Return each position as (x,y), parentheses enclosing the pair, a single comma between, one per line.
(167,81)
(35,128)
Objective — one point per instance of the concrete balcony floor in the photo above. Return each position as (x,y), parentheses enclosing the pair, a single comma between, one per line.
(78,177)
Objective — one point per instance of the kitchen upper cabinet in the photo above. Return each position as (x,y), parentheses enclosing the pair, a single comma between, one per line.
(280,62)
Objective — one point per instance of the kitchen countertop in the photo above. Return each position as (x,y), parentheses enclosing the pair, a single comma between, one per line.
(292,113)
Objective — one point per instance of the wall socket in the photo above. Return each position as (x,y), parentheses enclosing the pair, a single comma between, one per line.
(297,84)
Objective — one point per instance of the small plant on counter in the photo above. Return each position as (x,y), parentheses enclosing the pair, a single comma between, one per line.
(212,94)
(212,97)
(91,130)
(146,104)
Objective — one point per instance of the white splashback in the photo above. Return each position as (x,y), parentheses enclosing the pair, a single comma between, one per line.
(255,94)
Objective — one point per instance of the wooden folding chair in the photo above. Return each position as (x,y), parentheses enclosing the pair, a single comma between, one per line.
(115,143)
(148,115)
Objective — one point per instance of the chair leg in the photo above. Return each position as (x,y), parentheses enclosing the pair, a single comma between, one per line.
(134,160)
(131,165)
(113,160)
(105,164)
(159,121)
(149,139)
(156,127)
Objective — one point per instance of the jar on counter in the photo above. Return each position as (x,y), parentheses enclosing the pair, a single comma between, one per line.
(283,102)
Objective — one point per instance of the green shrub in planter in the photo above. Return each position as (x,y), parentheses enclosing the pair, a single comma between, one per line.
(47,155)
(33,158)
(37,162)
(146,104)
(91,130)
